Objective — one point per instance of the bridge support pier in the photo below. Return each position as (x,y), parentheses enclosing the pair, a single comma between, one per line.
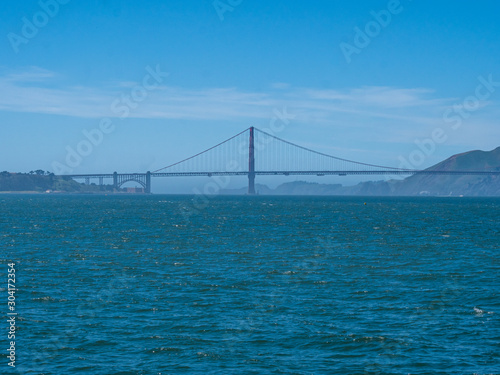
(115,180)
(251,184)
(148,183)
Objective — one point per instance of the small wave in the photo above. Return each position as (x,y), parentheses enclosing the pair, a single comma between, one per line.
(46,298)
(479,312)
(211,355)
(164,349)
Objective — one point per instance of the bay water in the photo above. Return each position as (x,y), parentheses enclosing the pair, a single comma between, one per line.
(251,285)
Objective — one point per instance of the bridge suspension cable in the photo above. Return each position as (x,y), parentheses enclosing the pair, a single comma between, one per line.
(308,162)
(191,158)
(272,154)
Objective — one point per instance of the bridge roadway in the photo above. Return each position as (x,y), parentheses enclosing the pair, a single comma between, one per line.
(144,179)
(324,173)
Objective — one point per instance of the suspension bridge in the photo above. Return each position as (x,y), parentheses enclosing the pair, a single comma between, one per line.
(254,152)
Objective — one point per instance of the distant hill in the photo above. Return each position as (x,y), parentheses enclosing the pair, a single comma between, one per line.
(40,181)
(435,185)
(457,185)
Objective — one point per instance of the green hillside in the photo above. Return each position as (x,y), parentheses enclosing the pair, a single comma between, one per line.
(457,184)
(40,181)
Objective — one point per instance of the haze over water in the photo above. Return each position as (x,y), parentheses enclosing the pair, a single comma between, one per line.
(254,285)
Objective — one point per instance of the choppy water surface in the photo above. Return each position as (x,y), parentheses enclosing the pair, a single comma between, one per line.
(253,285)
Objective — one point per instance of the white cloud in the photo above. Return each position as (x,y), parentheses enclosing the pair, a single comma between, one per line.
(281,86)
(393,110)
(32,74)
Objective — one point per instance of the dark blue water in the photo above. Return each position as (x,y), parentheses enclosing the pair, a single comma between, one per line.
(252,285)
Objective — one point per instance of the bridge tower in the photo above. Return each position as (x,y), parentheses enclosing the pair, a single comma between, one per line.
(251,164)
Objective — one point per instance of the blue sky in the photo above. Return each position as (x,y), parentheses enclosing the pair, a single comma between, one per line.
(229,71)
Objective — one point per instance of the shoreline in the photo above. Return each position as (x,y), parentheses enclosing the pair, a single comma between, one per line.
(67,193)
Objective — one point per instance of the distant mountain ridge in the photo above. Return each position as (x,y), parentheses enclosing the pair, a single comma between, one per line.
(468,185)
(420,184)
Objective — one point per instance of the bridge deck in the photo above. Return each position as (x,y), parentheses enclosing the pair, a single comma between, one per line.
(287,173)
(324,173)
